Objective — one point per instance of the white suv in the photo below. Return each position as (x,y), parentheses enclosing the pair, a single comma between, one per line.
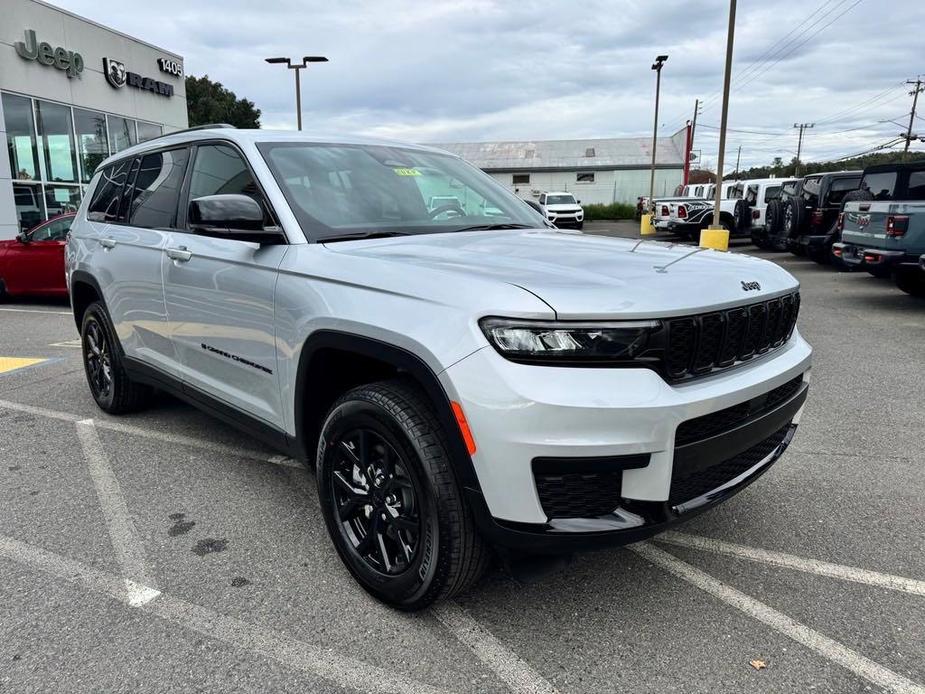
(563,210)
(459,380)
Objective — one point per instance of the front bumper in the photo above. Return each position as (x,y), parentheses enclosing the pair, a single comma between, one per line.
(520,414)
(566,219)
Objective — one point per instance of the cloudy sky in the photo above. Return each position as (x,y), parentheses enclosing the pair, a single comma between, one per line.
(467,70)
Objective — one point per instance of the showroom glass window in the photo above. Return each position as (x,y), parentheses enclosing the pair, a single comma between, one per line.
(56,140)
(92,141)
(20,137)
(148,131)
(121,133)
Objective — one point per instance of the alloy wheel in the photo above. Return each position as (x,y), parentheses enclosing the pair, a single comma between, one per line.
(99,365)
(376,501)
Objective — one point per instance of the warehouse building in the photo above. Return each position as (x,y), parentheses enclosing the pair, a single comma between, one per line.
(595,171)
(72,92)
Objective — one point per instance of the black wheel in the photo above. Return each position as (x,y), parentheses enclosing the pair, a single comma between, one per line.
(2,290)
(773,217)
(820,255)
(742,215)
(911,281)
(390,499)
(879,272)
(580,225)
(110,385)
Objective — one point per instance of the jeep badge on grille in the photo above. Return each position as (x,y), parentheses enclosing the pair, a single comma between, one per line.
(750,286)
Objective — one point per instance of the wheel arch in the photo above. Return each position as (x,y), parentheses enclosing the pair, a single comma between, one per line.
(332,362)
(84,290)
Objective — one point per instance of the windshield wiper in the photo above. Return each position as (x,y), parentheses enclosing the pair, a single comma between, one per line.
(362,235)
(495,227)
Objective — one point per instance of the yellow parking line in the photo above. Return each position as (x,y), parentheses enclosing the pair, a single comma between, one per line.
(12,363)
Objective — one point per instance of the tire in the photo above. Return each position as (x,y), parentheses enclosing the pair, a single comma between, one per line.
(3,294)
(911,281)
(580,225)
(794,215)
(772,217)
(741,216)
(110,385)
(391,425)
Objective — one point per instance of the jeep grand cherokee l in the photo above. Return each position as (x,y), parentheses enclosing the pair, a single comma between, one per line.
(458,381)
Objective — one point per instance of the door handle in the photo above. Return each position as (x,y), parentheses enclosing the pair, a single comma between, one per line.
(107,242)
(180,254)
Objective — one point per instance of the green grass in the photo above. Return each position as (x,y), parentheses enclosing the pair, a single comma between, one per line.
(617,210)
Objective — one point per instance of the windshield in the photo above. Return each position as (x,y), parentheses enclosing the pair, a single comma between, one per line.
(560,200)
(336,190)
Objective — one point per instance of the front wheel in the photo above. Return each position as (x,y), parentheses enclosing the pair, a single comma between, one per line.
(390,499)
(911,281)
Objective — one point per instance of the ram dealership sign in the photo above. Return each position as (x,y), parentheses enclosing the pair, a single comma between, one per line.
(118,77)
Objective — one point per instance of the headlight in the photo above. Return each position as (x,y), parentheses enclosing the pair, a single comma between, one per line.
(565,341)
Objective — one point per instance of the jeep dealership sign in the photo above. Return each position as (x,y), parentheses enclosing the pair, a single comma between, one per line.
(71,62)
(118,77)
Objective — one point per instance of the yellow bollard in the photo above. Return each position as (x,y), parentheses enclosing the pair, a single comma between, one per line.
(646,228)
(715,237)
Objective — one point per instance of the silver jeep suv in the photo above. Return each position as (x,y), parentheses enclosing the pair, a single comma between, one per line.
(464,380)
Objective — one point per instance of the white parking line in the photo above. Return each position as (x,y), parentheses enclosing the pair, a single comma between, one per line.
(314,660)
(32,310)
(828,648)
(178,439)
(519,676)
(790,561)
(125,541)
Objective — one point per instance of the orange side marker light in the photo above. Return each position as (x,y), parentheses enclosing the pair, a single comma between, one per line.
(463,427)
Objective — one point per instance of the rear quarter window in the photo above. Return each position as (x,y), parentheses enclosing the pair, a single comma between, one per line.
(881,185)
(840,188)
(916,186)
(104,206)
(771,193)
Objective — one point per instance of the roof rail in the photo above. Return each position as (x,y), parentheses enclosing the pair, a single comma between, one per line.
(207,126)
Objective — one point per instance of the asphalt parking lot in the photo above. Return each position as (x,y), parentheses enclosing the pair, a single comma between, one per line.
(165,552)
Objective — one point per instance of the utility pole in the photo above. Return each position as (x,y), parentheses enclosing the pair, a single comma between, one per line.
(915,100)
(802,127)
(738,157)
(727,78)
(657,66)
(694,124)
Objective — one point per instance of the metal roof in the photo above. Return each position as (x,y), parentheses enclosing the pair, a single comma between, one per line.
(533,155)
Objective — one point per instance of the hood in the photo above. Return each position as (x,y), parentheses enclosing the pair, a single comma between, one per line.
(584,276)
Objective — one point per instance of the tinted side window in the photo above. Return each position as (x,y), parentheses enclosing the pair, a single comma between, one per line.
(219,169)
(880,185)
(104,207)
(771,193)
(916,186)
(840,187)
(152,202)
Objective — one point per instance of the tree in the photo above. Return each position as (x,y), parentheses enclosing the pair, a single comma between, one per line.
(702,176)
(210,102)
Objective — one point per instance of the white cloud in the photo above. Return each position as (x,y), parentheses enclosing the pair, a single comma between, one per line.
(536,69)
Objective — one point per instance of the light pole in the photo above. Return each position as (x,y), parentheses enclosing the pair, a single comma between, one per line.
(297,67)
(657,66)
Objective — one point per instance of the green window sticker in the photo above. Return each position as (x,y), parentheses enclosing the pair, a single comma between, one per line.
(407,172)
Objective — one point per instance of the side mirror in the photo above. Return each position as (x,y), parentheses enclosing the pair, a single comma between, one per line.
(231,216)
(578,202)
(23,238)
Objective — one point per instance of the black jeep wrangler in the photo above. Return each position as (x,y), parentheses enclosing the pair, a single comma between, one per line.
(804,219)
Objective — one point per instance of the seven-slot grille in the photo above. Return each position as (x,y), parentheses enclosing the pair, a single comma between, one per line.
(700,344)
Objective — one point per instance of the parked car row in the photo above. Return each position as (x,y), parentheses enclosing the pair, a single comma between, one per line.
(871,220)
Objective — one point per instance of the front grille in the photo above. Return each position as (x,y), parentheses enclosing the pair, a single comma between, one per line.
(685,487)
(724,420)
(579,495)
(700,344)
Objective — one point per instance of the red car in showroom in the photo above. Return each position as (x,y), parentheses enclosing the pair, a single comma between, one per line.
(33,262)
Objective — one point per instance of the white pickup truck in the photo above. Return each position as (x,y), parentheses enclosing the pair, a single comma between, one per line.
(662,208)
(688,217)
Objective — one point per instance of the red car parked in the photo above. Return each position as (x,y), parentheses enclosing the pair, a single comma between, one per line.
(33,262)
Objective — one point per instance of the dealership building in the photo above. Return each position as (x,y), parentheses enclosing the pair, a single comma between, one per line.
(72,92)
(594,171)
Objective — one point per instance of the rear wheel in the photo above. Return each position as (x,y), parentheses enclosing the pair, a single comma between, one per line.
(393,508)
(109,383)
(911,281)
(879,272)
(3,294)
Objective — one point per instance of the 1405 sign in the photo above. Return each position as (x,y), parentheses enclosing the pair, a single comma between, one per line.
(171,67)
